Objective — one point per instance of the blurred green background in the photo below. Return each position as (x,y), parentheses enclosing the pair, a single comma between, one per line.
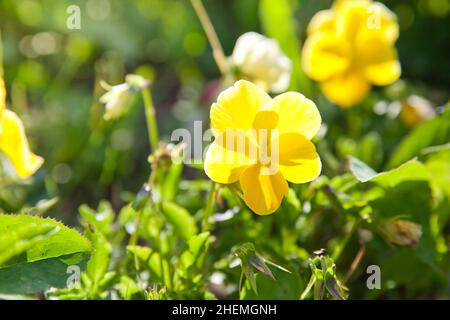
(52,76)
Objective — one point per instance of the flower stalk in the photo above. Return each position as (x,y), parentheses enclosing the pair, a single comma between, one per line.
(209,207)
(211,34)
(150,117)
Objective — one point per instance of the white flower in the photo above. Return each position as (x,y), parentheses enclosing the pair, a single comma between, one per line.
(261,60)
(117,99)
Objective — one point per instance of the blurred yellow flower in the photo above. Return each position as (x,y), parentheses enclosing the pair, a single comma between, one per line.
(13,142)
(262,142)
(351,47)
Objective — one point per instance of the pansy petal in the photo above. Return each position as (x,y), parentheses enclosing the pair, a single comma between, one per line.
(263,193)
(237,106)
(296,113)
(346,89)
(323,20)
(228,156)
(325,55)
(298,159)
(354,18)
(14,144)
(378,59)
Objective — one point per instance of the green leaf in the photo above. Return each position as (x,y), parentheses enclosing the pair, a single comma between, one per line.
(171,182)
(23,238)
(43,248)
(278,22)
(198,246)
(154,263)
(411,171)
(101,219)
(129,290)
(99,262)
(360,170)
(246,252)
(62,240)
(407,194)
(180,219)
(431,133)
(33,277)
(438,164)
(287,286)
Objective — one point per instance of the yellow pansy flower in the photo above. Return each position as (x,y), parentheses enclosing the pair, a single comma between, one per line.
(262,143)
(13,142)
(350,47)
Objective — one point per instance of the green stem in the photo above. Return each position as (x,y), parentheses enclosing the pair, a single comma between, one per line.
(213,39)
(340,248)
(334,200)
(1,55)
(209,207)
(152,126)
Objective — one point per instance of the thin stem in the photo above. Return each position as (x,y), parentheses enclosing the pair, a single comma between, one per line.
(209,207)
(133,242)
(152,126)
(334,200)
(355,263)
(340,248)
(213,39)
(1,55)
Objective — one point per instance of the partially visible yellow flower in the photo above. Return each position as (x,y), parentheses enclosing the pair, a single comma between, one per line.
(261,60)
(262,142)
(350,47)
(13,141)
(416,110)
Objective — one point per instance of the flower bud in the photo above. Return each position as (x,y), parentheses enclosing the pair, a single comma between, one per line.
(402,232)
(261,60)
(117,100)
(416,110)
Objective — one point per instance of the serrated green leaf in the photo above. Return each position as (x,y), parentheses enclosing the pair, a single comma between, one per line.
(15,242)
(62,240)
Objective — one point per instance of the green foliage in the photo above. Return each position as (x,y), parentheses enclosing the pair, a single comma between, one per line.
(432,133)
(37,251)
(181,220)
(49,239)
